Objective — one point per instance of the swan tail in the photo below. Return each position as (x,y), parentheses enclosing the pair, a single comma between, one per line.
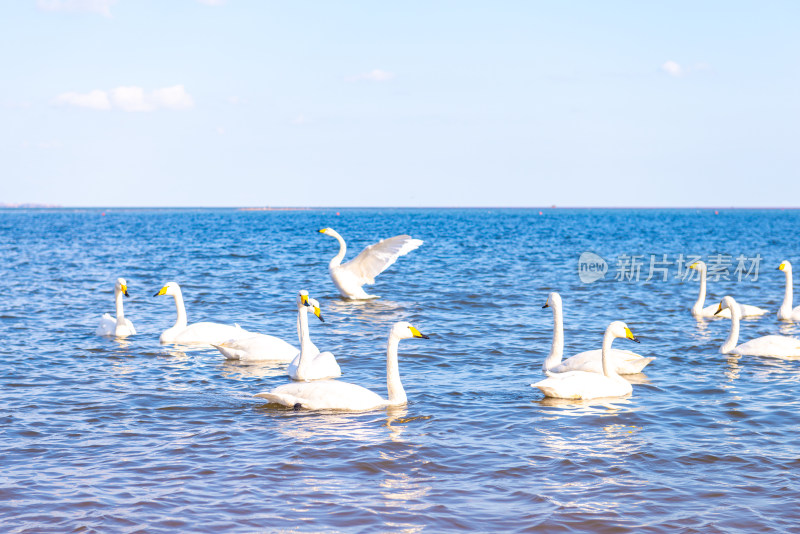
(636,367)
(276,398)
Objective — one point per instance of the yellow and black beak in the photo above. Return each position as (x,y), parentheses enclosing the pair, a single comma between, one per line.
(546,305)
(719,309)
(693,266)
(304,300)
(629,335)
(125,291)
(417,333)
(781,266)
(323,230)
(318,313)
(162,291)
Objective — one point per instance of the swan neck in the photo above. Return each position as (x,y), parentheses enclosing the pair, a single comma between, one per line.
(118,302)
(788,293)
(181,321)
(397,395)
(305,340)
(608,368)
(557,346)
(733,335)
(701,298)
(337,260)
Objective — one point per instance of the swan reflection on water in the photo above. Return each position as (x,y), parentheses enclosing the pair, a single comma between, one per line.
(580,407)
(367,427)
(237,370)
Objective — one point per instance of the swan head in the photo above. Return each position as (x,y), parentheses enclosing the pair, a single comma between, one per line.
(314,303)
(698,266)
(553,300)
(620,330)
(785,266)
(404,330)
(329,231)
(302,298)
(171,288)
(122,286)
(727,303)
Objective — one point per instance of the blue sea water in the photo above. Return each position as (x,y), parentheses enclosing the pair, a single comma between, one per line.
(104,435)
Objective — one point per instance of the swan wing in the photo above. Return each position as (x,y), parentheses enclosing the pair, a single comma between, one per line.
(582,385)
(625,362)
(258,347)
(774,346)
(131,329)
(376,258)
(208,333)
(322,366)
(750,311)
(107,325)
(325,395)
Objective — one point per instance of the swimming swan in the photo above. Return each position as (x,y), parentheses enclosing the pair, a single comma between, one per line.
(775,346)
(785,312)
(119,327)
(710,311)
(263,347)
(371,262)
(336,395)
(586,385)
(624,362)
(311,364)
(206,333)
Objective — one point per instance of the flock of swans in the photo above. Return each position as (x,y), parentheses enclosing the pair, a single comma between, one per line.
(590,374)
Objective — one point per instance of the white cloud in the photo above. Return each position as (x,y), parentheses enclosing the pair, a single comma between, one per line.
(375,75)
(174,97)
(130,99)
(101,7)
(93,100)
(672,68)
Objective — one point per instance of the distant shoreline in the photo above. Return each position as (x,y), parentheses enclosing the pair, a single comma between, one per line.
(310,208)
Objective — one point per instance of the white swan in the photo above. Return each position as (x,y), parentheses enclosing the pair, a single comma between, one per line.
(785,312)
(205,333)
(336,395)
(311,364)
(624,362)
(776,346)
(710,311)
(263,347)
(372,261)
(586,385)
(119,326)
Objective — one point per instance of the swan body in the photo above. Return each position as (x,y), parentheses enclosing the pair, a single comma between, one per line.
(337,395)
(196,333)
(785,312)
(773,346)
(118,326)
(587,385)
(310,363)
(699,311)
(372,261)
(623,362)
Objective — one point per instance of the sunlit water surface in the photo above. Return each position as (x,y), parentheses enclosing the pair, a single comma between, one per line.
(132,436)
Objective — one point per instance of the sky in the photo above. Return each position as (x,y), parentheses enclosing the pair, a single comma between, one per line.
(415,103)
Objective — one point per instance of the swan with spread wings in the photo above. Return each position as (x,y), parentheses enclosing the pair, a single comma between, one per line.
(372,261)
